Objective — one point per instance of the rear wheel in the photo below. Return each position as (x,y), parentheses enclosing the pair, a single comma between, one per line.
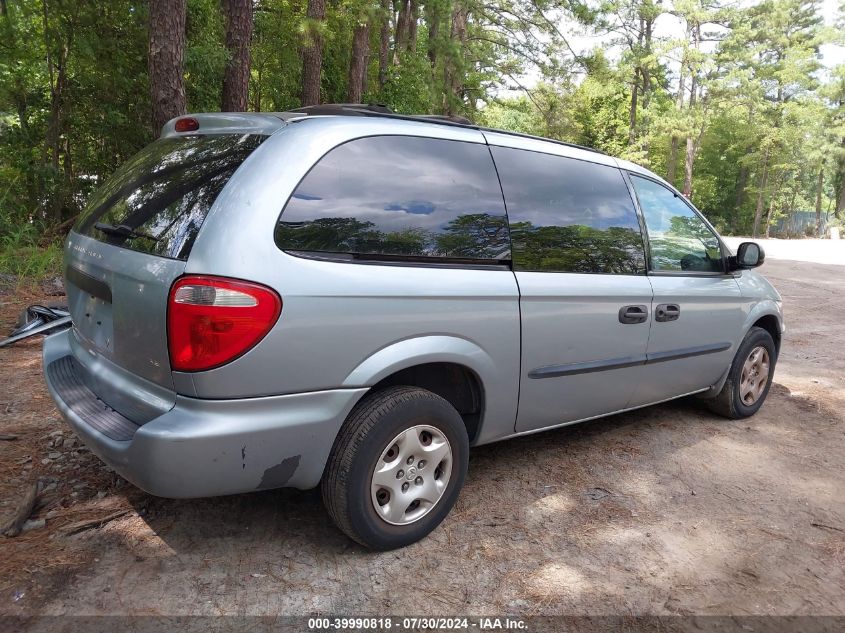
(396,468)
(749,378)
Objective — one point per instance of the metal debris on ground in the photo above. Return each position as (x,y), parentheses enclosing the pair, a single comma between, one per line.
(38,319)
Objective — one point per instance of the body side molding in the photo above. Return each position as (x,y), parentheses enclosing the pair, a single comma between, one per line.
(570,369)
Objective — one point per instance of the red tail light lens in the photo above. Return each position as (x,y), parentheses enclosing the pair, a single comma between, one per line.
(213,320)
(187,124)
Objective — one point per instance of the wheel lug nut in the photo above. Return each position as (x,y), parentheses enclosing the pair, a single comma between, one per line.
(405,487)
(418,481)
(421,464)
(400,473)
(410,460)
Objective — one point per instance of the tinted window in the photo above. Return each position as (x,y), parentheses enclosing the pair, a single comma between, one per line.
(678,238)
(569,215)
(399,196)
(165,191)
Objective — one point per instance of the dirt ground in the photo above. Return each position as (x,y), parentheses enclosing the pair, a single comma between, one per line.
(667,510)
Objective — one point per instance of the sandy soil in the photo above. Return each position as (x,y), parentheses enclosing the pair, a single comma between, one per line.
(668,510)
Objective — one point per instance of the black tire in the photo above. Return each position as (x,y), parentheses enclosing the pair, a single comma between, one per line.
(364,436)
(728,402)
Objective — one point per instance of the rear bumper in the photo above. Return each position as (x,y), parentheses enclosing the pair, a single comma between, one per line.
(204,448)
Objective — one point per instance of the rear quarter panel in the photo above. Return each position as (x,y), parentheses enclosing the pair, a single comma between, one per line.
(350,324)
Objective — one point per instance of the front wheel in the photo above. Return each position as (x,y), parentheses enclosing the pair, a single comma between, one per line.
(749,378)
(396,468)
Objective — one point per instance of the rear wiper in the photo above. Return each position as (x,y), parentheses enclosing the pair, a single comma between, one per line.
(123,230)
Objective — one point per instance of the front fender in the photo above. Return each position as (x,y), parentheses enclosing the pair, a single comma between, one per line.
(763,298)
(760,309)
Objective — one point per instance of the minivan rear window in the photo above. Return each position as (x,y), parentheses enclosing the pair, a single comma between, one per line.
(157,201)
(400,198)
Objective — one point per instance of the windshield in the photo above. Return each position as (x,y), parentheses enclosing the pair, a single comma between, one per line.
(157,201)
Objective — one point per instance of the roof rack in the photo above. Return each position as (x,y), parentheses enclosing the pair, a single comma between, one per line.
(381,110)
(344,109)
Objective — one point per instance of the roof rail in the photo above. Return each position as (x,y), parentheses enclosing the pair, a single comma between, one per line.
(347,109)
(448,118)
(380,110)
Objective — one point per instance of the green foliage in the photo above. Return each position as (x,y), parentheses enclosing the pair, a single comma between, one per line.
(407,89)
(764,123)
(517,115)
(205,55)
(23,255)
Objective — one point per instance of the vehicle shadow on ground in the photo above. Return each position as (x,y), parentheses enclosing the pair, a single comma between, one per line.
(184,523)
(604,517)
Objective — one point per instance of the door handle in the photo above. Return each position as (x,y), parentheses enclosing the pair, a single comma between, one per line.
(633,314)
(667,312)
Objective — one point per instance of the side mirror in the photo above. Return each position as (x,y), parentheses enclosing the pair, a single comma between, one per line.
(748,255)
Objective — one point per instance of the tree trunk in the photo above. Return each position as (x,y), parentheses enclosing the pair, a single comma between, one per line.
(384,43)
(358,63)
(739,191)
(54,122)
(312,54)
(632,115)
(453,71)
(57,70)
(758,212)
(635,87)
(413,19)
(689,158)
(403,23)
(769,215)
(238,17)
(649,27)
(166,60)
(672,167)
(432,15)
(692,145)
(819,185)
(365,76)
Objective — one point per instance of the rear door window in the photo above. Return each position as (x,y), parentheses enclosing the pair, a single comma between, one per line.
(161,195)
(399,197)
(569,215)
(679,239)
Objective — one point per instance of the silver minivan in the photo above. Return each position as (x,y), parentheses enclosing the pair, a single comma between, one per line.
(345,297)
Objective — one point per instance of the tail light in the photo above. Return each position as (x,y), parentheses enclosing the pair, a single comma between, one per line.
(213,320)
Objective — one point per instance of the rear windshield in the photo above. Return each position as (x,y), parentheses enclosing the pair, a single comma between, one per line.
(157,201)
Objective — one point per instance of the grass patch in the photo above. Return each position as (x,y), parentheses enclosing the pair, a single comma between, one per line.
(23,261)
(29,264)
